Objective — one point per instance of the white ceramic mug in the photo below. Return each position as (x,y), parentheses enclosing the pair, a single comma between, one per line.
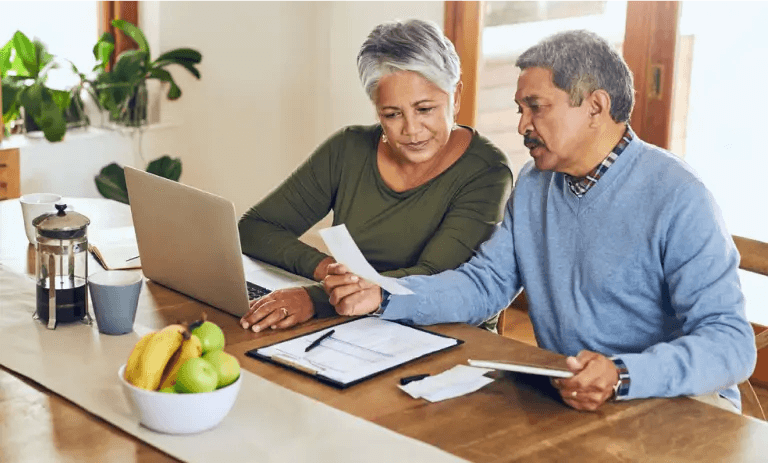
(33,206)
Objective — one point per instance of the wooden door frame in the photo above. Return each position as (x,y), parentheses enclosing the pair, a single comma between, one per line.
(463,26)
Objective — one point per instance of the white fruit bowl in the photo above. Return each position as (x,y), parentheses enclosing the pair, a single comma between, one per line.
(180,413)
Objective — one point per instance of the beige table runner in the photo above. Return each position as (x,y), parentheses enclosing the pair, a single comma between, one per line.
(268,423)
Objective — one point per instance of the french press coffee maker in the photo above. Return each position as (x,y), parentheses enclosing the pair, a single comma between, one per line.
(61,266)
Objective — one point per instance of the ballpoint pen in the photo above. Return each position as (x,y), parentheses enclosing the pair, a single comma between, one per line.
(317,341)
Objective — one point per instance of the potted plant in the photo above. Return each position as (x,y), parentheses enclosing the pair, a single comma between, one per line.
(25,66)
(122,92)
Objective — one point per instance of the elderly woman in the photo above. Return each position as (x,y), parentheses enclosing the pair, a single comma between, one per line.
(417,192)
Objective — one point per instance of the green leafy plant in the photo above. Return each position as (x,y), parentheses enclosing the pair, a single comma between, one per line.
(111,180)
(122,90)
(24,68)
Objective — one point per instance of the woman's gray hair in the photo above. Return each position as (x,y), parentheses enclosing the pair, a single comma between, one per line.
(582,62)
(411,45)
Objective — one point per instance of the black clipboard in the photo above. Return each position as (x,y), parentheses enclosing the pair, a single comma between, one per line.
(254,353)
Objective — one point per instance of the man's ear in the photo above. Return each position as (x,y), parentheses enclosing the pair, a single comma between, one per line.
(457,100)
(599,104)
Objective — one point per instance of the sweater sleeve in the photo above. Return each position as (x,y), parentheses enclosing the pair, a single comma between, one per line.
(469,294)
(716,349)
(270,230)
(469,221)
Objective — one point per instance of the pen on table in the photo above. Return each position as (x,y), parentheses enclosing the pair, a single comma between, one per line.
(134,257)
(317,341)
(410,379)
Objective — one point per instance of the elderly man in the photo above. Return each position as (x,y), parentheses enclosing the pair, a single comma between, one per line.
(621,249)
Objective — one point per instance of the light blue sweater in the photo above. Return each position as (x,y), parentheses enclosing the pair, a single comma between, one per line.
(641,267)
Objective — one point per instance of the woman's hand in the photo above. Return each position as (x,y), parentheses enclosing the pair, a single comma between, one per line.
(321,271)
(279,310)
(350,294)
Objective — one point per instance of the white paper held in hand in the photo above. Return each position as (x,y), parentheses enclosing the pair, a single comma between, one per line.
(345,251)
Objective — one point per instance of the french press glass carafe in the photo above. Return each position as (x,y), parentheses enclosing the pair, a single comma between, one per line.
(61,266)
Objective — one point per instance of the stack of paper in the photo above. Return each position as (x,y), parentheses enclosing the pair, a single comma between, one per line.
(457,381)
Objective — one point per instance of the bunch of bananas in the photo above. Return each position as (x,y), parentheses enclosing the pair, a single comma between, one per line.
(157,357)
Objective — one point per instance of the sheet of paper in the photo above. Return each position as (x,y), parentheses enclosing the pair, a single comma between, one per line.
(344,250)
(459,380)
(115,248)
(358,349)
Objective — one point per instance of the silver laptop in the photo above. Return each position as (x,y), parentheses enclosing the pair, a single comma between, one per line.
(188,241)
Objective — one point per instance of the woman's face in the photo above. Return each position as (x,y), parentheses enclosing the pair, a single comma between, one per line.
(416,115)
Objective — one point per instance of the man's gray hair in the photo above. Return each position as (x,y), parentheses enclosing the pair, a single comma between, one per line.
(411,45)
(582,62)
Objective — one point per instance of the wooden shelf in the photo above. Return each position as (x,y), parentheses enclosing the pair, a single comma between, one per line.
(9,173)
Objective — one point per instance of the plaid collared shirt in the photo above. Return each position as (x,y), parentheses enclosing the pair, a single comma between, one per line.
(580,185)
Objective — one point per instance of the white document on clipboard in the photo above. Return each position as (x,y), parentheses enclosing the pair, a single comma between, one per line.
(356,350)
(344,250)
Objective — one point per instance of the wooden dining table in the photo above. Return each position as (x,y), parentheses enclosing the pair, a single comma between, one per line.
(515,418)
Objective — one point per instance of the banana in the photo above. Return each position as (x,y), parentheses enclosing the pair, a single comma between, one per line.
(190,348)
(159,349)
(131,367)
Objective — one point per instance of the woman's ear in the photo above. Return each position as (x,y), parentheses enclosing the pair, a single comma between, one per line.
(457,100)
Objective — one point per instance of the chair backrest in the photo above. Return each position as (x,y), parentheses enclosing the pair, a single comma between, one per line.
(754,258)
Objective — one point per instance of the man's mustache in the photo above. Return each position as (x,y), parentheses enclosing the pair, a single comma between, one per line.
(532,142)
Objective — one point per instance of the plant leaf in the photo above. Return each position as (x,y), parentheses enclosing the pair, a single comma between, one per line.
(181,54)
(62,98)
(187,65)
(134,33)
(103,50)
(111,183)
(10,102)
(39,103)
(130,66)
(5,58)
(25,51)
(161,74)
(166,167)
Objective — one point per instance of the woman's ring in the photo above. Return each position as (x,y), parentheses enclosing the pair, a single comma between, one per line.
(574,394)
(285,312)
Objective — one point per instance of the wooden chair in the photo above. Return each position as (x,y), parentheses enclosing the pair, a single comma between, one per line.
(754,258)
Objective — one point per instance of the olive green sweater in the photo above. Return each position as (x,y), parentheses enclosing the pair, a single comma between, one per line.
(422,231)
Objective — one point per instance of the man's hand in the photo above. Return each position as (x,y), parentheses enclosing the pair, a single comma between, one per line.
(592,383)
(279,310)
(350,294)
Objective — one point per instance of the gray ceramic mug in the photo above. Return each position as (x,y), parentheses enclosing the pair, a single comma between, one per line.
(115,297)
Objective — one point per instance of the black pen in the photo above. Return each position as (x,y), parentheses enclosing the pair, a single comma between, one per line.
(128,260)
(317,341)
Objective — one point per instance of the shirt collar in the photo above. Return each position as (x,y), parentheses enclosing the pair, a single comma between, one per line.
(580,185)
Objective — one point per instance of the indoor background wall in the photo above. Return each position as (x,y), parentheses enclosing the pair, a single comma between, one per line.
(277,79)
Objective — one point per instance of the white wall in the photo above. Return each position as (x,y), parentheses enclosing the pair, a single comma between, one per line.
(276,79)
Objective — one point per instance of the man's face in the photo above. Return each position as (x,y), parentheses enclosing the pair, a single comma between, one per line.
(555,132)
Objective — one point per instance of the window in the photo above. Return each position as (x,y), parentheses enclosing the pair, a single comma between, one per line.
(68,29)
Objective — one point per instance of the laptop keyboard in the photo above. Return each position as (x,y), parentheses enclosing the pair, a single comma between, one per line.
(255,291)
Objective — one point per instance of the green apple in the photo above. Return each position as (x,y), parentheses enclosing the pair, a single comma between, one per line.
(196,375)
(226,366)
(169,389)
(210,335)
